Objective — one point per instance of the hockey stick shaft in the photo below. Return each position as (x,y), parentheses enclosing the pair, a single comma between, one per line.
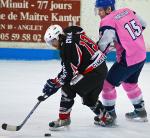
(31,112)
(17,128)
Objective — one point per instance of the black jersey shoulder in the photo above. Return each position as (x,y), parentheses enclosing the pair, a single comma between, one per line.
(71,35)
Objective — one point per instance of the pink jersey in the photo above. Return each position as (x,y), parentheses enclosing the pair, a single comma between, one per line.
(129,33)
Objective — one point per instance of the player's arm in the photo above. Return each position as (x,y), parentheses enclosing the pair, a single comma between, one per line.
(52,85)
(68,54)
(65,75)
(106,41)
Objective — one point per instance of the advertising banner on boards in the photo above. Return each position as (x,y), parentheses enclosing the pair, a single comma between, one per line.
(27,20)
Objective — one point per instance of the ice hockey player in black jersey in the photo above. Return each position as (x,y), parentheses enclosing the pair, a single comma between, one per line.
(83,71)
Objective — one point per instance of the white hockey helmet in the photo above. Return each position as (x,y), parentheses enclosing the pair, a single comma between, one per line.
(52,33)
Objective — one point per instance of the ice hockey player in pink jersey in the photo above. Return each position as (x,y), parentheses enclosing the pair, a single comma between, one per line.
(121,29)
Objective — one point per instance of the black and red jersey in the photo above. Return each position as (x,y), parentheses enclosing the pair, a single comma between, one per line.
(79,54)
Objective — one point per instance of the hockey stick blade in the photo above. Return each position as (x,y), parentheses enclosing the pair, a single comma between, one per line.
(10,127)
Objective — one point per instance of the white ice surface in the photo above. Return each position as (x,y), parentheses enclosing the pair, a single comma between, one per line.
(21,82)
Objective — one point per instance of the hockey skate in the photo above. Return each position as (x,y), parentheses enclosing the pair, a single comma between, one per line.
(59,124)
(139,115)
(106,119)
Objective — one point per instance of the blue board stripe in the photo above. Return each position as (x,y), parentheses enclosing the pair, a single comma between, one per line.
(41,54)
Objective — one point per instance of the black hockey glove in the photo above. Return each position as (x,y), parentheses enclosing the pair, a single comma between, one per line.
(49,89)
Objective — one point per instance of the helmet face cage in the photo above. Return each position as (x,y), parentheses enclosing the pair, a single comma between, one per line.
(52,33)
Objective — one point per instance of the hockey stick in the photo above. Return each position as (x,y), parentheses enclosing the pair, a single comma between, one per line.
(17,128)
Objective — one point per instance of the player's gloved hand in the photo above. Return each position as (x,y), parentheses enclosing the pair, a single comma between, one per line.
(50,88)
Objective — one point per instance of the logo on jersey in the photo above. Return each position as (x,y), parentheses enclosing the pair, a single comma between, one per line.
(69,38)
(121,15)
(98,58)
